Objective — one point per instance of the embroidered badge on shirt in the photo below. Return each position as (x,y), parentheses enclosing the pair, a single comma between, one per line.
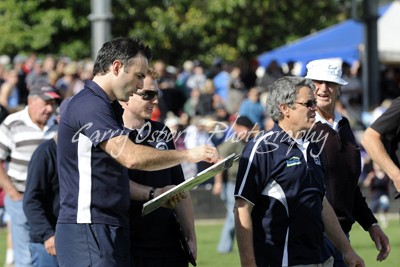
(317,161)
(293,161)
(162,146)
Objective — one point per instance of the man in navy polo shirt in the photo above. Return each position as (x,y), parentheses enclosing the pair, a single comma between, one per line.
(281,212)
(93,154)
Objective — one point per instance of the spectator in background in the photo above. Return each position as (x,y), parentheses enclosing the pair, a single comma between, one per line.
(171,98)
(20,135)
(272,72)
(41,202)
(281,212)
(222,119)
(179,134)
(350,93)
(23,65)
(240,132)
(191,103)
(205,102)
(5,218)
(201,100)
(166,79)
(252,108)
(289,71)
(60,65)
(70,83)
(183,77)
(197,134)
(40,70)
(342,159)
(237,91)
(198,79)
(9,92)
(221,79)
(86,72)
(378,183)
(248,72)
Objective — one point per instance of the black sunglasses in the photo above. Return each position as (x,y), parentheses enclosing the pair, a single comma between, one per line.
(308,104)
(148,94)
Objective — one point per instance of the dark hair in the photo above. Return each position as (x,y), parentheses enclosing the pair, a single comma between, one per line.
(122,48)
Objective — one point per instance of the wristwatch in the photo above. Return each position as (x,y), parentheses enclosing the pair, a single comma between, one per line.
(152,192)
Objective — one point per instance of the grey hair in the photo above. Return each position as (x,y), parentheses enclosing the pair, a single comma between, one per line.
(284,91)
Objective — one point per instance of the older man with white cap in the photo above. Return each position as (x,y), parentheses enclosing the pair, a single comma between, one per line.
(342,159)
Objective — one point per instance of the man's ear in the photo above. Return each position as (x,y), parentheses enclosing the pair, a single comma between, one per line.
(117,66)
(284,108)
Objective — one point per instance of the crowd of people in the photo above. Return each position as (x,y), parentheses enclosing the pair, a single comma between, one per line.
(98,182)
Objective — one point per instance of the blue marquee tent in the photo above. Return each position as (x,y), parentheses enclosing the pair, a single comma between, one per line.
(342,40)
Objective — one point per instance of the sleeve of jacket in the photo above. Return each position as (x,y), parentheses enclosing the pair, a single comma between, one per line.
(362,213)
(38,183)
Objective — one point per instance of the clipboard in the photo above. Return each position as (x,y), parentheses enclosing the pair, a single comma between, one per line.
(190,183)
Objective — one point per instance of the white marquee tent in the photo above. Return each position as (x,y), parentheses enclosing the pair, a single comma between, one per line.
(389,34)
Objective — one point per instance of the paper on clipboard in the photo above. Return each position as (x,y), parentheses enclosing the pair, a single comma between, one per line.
(190,183)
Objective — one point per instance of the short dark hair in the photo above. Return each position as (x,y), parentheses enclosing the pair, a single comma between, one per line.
(121,48)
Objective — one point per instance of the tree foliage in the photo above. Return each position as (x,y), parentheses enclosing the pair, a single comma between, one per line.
(175,29)
(55,27)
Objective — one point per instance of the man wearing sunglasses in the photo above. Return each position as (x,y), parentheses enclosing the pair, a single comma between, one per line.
(154,237)
(342,159)
(281,212)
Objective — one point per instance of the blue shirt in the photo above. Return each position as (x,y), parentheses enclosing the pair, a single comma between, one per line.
(254,111)
(284,182)
(94,187)
(221,83)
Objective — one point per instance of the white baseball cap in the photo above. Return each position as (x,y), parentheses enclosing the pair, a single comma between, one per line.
(325,70)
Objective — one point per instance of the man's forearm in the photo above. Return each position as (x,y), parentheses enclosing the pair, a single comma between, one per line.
(372,143)
(139,192)
(142,157)
(6,184)
(244,233)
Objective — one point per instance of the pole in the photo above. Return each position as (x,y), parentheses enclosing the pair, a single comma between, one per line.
(371,96)
(101,26)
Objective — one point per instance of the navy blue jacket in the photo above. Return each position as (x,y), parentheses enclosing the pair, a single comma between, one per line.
(155,235)
(342,161)
(41,198)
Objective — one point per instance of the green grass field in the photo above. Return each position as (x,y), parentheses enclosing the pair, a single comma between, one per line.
(208,235)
